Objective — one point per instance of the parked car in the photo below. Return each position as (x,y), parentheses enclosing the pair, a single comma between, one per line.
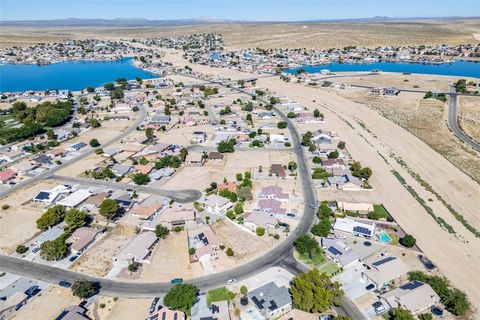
(292,215)
(370,286)
(36,249)
(231,281)
(176,281)
(379,308)
(153,306)
(73,258)
(64,284)
(33,290)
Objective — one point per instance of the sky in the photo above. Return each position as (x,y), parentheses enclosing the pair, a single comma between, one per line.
(247,10)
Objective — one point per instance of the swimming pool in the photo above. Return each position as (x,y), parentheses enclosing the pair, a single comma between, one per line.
(384,237)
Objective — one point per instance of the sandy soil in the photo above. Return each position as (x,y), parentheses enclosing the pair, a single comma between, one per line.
(120,309)
(19,225)
(426,120)
(452,253)
(97,261)
(269,35)
(469,112)
(237,162)
(171,260)
(54,297)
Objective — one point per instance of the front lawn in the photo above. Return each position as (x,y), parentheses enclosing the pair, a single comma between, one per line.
(219,294)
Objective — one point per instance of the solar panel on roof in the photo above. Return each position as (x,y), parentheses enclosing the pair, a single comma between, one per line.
(259,304)
(201,236)
(362,230)
(334,251)
(411,285)
(273,305)
(385,260)
(205,241)
(42,195)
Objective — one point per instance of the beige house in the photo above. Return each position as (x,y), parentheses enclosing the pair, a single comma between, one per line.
(414,296)
(384,271)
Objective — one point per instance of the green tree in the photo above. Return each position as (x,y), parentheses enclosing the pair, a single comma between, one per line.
(226,147)
(317,113)
(229,252)
(161,231)
(181,297)
(109,208)
(239,177)
(323,228)
(333,155)
(51,217)
(141,178)
(260,231)
(306,244)
(243,290)
(94,143)
(75,219)
(238,208)
(408,241)
(109,86)
(281,125)
(149,133)
(21,249)
(292,166)
(55,249)
(85,289)
(133,267)
(400,314)
(425,316)
(314,292)
(245,193)
(291,114)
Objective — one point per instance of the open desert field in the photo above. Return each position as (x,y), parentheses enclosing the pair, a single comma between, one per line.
(270,35)
(119,309)
(469,112)
(426,120)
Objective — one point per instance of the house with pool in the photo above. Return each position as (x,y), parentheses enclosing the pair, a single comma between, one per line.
(357,227)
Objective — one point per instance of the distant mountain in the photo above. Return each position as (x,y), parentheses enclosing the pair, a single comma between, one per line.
(141,22)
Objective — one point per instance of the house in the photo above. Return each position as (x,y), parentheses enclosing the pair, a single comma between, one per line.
(259,219)
(172,217)
(42,160)
(120,169)
(160,173)
(385,270)
(166,314)
(50,196)
(215,156)
(230,186)
(111,152)
(160,120)
(199,136)
(328,164)
(21,146)
(59,152)
(271,206)
(137,250)
(76,146)
(62,134)
(355,226)
(345,182)
(339,252)
(12,156)
(194,159)
(216,204)
(274,192)
(73,312)
(271,301)
(23,167)
(124,199)
(278,170)
(206,244)
(391,91)
(145,169)
(359,207)
(75,198)
(146,212)
(218,310)
(82,238)
(277,138)
(414,296)
(7,175)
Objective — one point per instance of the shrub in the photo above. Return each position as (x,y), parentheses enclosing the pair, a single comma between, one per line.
(408,241)
(85,289)
(229,252)
(260,231)
(94,143)
(21,249)
(281,125)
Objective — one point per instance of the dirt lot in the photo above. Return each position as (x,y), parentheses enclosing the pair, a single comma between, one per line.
(170,260)
(469,112)
(245,245)
(54,297)
(19,225)
(97,261)
(426,120)
(119,309)
(237,162)
(270,35)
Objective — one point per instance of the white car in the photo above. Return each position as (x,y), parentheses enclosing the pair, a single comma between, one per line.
(231,281)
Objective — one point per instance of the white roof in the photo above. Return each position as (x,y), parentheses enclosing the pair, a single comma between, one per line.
(138,248)
(216,201)
(355,226)
(75,198)
(414,296)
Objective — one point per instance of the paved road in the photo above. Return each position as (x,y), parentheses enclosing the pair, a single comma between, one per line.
(182,196)
(142,114)
(201,148)
(453,121)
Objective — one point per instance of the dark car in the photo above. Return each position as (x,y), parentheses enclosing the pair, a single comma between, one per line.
(153,306)
(33,290)
(176,281)
(370,286)
(64,284)
(73,258)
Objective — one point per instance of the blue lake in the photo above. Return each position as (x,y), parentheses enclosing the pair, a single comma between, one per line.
(75,75)
(457,68)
